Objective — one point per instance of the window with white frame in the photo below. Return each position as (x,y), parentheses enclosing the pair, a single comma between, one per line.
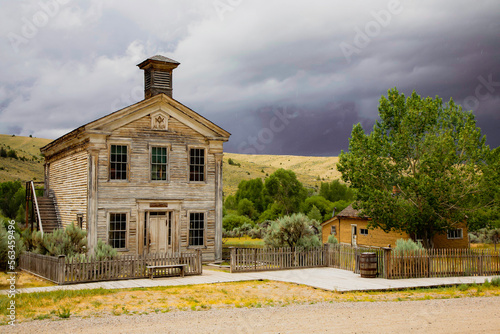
(159,163)
(196,229)
(117,230)
(118,162)
(363,231)
(455,234)
(197,164)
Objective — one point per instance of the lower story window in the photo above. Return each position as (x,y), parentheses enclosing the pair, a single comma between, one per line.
(117,230)
(363,231)
(196,229)
(333,230)
(455,234)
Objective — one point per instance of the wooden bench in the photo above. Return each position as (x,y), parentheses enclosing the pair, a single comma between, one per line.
(152,269)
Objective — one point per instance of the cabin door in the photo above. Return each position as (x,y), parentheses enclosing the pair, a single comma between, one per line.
(160,232)
(354,232)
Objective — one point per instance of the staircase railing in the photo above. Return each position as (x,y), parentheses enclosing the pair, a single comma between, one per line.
(31,196)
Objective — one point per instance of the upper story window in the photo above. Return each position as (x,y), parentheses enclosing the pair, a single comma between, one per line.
(118,162)
(197,164)
(159,163)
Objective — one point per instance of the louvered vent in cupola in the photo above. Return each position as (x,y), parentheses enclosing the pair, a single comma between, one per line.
(158,75)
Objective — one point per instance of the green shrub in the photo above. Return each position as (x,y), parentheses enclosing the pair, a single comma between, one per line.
(407,245)
(10,240)
(70,241)
(332,240)
(232,221)
(296,230)
(495,281)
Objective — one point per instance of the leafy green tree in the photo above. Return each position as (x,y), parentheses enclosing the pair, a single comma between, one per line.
(246,208)
(253,191)
(432,155)
(336,191)
(286,191)
(315,214)
(322,204)
(296,230)
(11,198)
(230,203)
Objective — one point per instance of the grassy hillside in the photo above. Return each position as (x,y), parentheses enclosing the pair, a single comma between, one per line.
(310,170)
(29,165)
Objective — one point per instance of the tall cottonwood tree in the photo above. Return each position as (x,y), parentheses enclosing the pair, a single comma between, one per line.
(433,155)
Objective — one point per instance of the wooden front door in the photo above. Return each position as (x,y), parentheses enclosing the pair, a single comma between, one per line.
(354,233)
(160,232)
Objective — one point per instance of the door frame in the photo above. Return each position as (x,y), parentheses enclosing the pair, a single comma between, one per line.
(144,206)
(354,235)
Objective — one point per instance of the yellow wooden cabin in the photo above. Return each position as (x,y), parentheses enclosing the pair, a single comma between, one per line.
(350,228)
(146,178)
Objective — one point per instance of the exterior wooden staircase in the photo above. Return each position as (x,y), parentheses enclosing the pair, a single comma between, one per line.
(40,211)
(48,214)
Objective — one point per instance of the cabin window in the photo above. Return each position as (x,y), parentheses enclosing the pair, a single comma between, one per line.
(363,231)
(333,230)
(118,162)
(159,163)
(455,234)
(196,229)
(197,164)
(117,230)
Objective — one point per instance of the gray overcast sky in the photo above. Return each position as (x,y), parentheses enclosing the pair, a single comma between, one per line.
(284,77)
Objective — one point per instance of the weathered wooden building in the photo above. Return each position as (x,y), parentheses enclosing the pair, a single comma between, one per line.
(351,228)
(146,178)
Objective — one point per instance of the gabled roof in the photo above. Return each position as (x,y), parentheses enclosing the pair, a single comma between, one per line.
(140,109)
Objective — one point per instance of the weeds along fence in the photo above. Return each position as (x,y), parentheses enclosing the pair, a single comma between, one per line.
(443,263)
(62,270)
(347,257)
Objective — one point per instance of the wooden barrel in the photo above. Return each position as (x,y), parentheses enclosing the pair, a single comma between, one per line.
(368,265)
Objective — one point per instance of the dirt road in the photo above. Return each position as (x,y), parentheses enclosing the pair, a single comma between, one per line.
(462,315)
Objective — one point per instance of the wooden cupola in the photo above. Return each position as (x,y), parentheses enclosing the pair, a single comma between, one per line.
(158,75)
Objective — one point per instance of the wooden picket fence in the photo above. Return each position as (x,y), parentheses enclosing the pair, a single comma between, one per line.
(260,259)
(62,270)
(443,263)
(390,264)
(347,257)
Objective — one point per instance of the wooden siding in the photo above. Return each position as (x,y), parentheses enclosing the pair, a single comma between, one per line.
(68,186)
(378,238)
(122,195)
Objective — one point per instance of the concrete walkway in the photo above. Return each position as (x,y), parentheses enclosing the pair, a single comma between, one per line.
(323,278)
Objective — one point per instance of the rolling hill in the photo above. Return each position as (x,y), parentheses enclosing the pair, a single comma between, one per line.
(29,165)
(311,171)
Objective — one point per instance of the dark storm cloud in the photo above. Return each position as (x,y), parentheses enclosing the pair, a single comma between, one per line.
(275,74)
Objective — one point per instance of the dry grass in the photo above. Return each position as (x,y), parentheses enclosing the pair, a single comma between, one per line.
(485,246)
(311,171)
(245,241)
(87,303)
(23,280)
(29,148)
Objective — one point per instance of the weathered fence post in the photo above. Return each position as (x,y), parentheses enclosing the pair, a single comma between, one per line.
(255,258)
(326,257)
(61,264)
(233,259)
(387,261)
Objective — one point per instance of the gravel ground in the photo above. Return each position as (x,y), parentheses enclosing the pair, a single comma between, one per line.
(461,315)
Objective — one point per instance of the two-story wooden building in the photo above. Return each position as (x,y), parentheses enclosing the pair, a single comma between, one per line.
(146,178)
